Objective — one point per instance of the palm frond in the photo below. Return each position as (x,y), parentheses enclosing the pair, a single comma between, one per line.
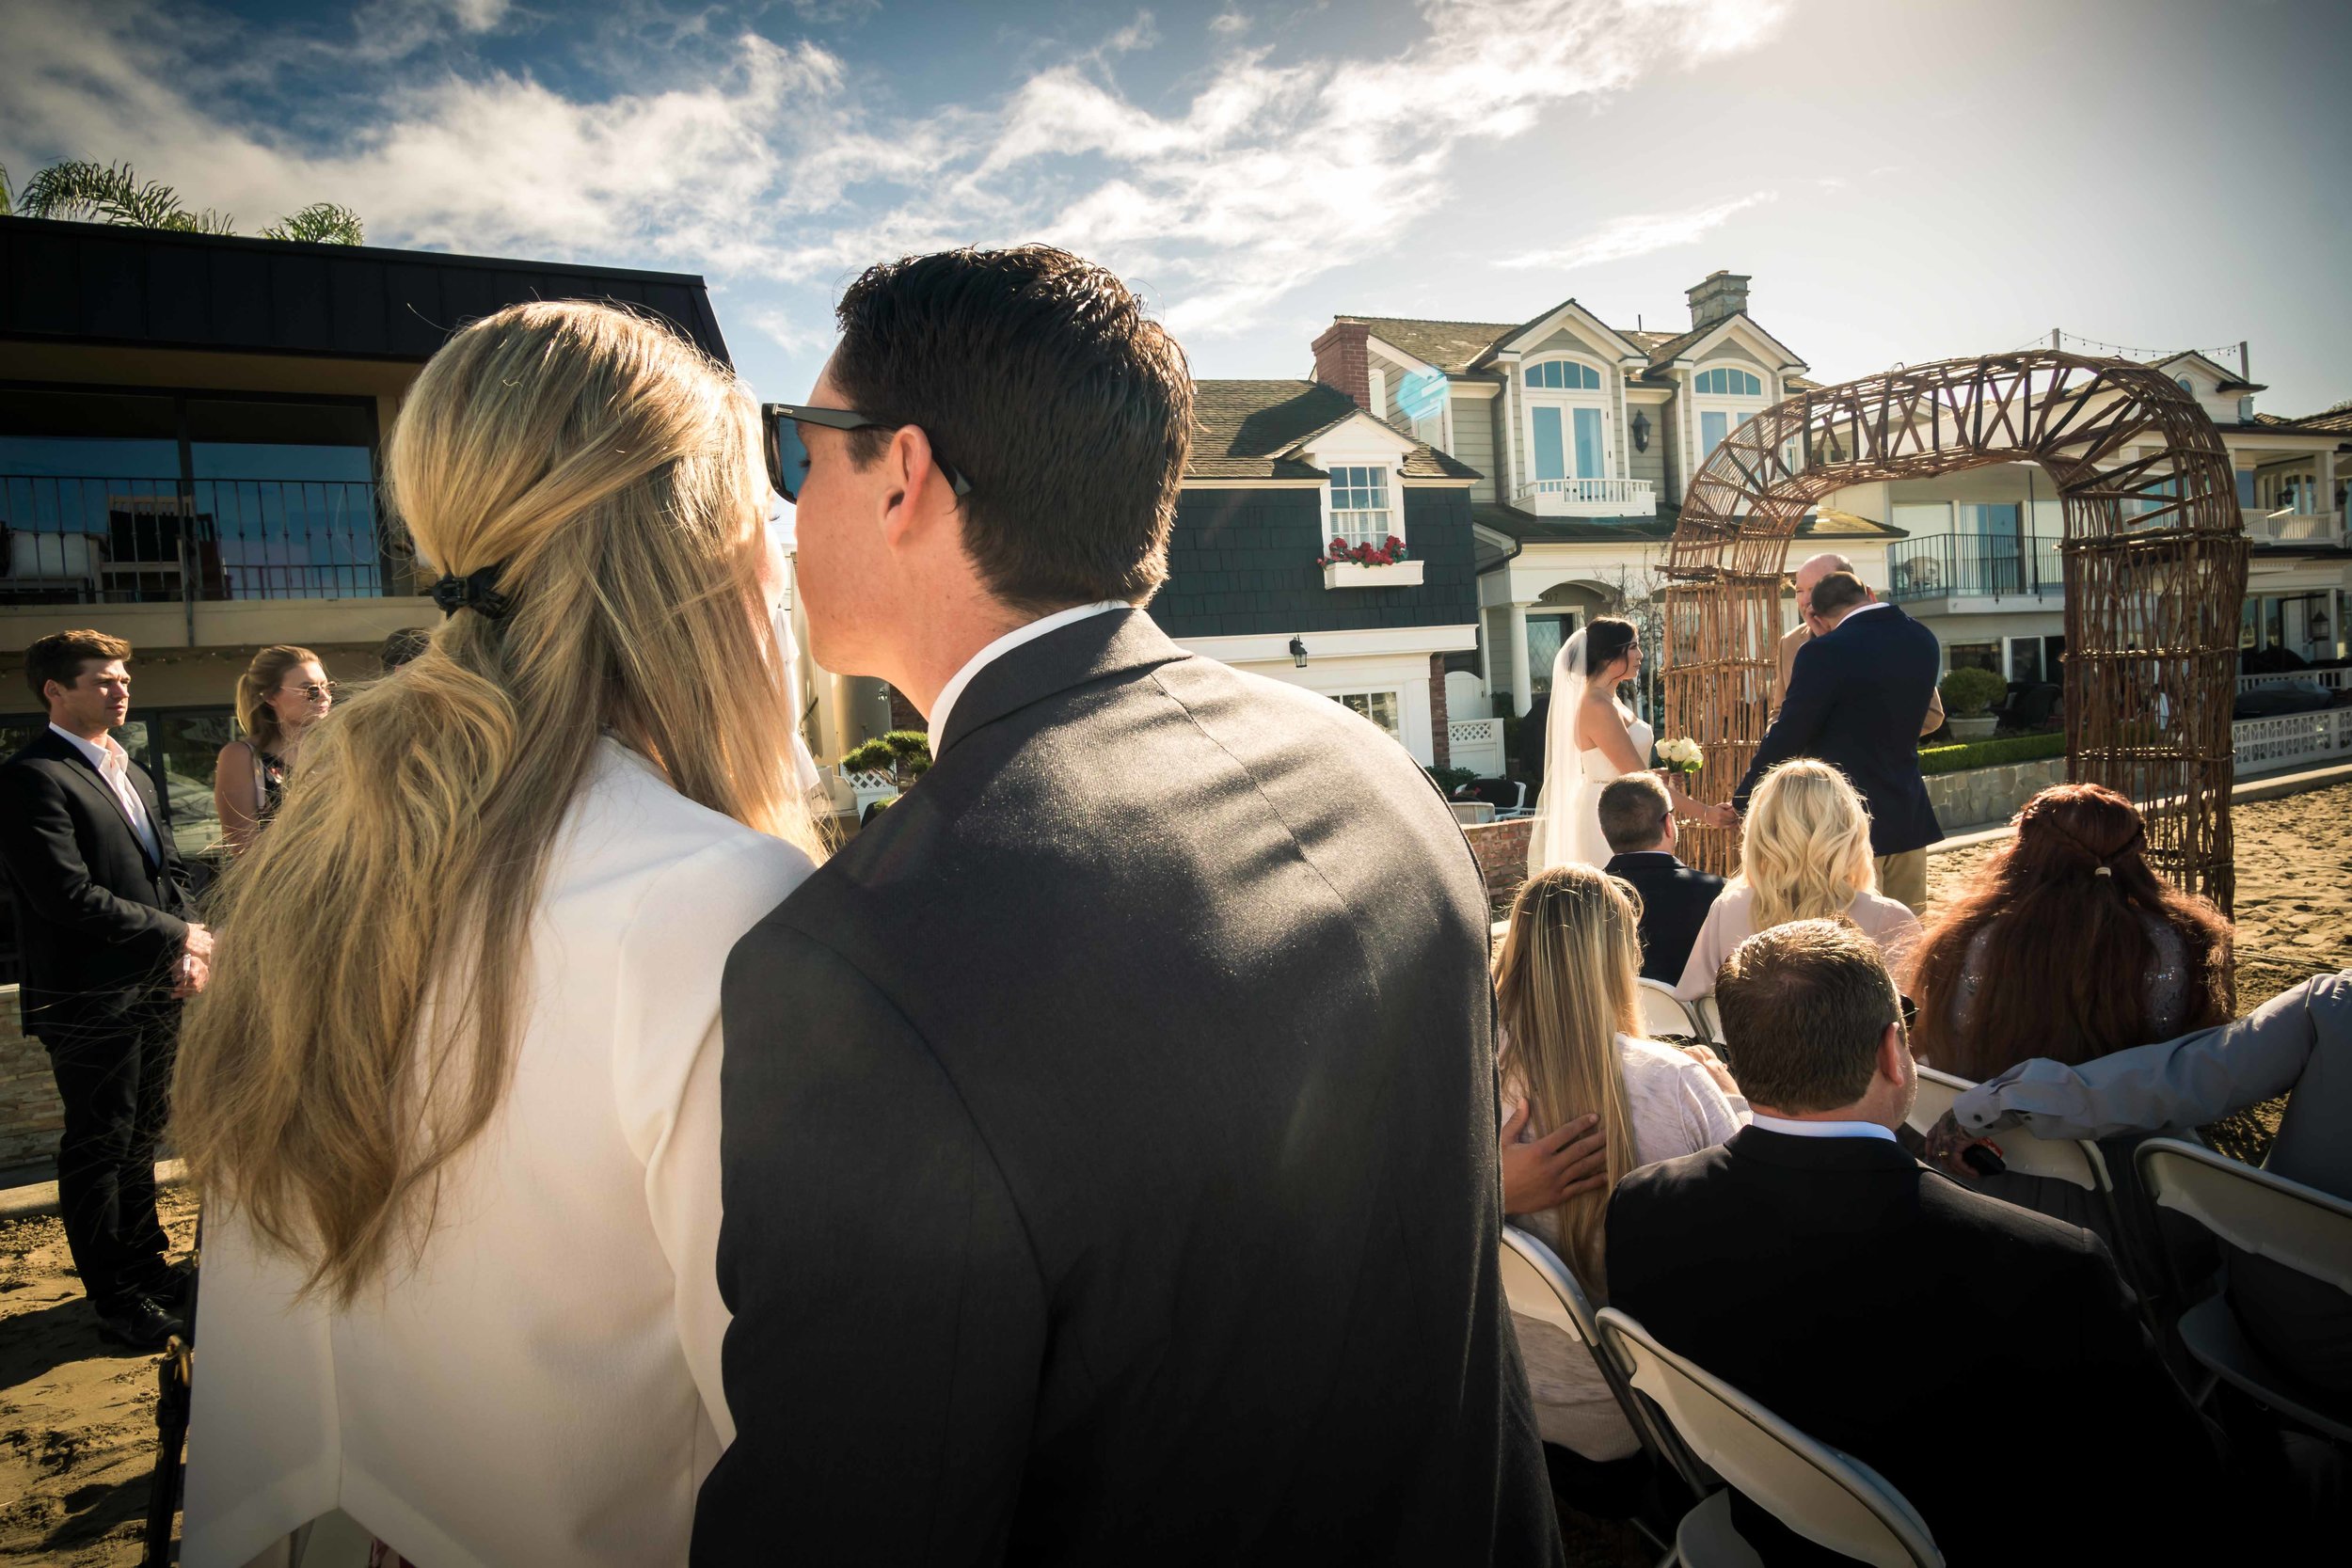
(5,209)
(206,222)
(110,193)
(320,223)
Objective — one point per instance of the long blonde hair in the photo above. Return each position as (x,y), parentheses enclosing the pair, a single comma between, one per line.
(1564,990)
(358,1030)
(261,678)
(1804,850)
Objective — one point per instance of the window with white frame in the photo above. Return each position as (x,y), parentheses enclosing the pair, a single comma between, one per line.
(1378,707)
(1729,382)
(1360,512)
(1567,424)
(1563,375)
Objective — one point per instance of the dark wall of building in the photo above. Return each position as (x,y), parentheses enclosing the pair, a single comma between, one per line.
(1242,563)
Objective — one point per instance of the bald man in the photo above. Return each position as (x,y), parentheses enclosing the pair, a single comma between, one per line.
(1809,572)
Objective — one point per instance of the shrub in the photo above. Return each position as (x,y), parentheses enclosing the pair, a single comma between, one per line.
(1992,754)
(872,757)
(1968,691)
(1450,779)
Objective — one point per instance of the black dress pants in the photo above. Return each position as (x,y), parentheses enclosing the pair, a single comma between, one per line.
(114,1079)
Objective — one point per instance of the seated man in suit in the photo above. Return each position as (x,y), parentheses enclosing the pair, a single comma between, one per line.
(1853,701)
(1637,818)
(1983,1359)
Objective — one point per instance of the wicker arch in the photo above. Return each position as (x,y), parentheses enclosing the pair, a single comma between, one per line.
(2155,559)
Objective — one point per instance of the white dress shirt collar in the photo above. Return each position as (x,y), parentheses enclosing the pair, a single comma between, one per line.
(1819,1129)
(945,702)
(1863,610)
(113,763)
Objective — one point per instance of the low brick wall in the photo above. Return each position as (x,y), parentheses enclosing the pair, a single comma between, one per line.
(1501,851)
(1980,797)
(30,1116)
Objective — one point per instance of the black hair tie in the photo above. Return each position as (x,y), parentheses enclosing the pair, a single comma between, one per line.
(476,591)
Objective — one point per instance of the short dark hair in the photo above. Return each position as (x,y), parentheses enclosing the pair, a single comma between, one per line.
(1838,590)
(1633,812)
(1803,1007)
(1038,376)
(60,655)
(403,645)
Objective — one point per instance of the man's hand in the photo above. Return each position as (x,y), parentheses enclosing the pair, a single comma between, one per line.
(200,942)
(189,977)
(1707,1058)
(1948,1142)
(1544,1173)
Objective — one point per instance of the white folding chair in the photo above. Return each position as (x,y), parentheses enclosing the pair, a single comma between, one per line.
(1711,1018)
(2302,1227)
(1829,1498)
(1664,1013)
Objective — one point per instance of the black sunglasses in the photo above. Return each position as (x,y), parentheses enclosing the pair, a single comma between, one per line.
(787,455)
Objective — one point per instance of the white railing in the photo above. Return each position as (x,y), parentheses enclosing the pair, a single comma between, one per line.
(1476,744)
(2290,526)
(2262,744)
(1569,498)
(2334,680)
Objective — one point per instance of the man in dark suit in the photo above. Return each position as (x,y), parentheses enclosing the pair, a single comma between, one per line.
(1855,701)
(1637,818)
(109,950)
(1984,1359)
(1110,1151)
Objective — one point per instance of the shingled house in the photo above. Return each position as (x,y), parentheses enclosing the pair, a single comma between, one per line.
(1584,438)
(1279,471)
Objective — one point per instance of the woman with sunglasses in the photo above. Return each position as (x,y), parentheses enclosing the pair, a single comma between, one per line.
(283,694)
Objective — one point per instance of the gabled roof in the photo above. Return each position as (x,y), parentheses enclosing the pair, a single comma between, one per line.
(2228,380)
(1565,308)
(1260,429)
(1449,345)
(1699,338)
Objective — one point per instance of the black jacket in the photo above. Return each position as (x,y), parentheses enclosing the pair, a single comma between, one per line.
(100,922)
(1854,700)
(1109,1154)
(1675,901)
(1983,1359)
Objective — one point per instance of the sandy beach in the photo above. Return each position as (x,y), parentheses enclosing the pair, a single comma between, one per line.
(77,1432)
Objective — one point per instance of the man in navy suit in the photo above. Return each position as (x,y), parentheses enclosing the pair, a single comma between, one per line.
(1637,818)
(1854,700)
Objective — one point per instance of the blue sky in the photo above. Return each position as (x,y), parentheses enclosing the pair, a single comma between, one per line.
(1905,180)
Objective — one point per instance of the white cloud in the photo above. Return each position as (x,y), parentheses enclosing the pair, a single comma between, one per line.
(1225,23)
(1638,234)
(770,162)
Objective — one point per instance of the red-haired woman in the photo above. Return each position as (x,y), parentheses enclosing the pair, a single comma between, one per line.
(2068,945)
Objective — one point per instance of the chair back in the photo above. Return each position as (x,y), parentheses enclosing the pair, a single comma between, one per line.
(2308,1231)
(1664,1013)
(2061,1159)
(1829,1498)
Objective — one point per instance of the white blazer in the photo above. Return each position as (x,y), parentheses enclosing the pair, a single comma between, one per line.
(544,1387)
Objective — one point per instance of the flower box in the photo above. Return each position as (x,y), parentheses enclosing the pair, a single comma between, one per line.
(1350,573)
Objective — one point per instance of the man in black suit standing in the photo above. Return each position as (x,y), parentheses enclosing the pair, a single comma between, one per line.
(1854,700)
(1637,818)
(1109,1152)
(108,949)
(1984,1359)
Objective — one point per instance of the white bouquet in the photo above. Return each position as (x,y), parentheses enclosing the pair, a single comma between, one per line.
(1683,754)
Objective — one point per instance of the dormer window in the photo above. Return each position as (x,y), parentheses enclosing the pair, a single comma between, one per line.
(1360,512)
(1564,376)
(2182,382)
(1737,397)
(1724,381)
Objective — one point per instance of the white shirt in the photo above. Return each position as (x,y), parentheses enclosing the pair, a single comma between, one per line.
(1003,645)
(543,1385)
(1874,603)
(113,766)
(1819,1129)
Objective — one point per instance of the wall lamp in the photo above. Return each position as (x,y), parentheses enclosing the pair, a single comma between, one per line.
(1640,431)
(1299,652)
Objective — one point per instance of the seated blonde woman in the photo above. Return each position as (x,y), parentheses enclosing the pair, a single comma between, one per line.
(1805,854)
(1564,985)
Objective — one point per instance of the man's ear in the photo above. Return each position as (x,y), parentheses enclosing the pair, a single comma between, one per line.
(1894,1054)
(914,487)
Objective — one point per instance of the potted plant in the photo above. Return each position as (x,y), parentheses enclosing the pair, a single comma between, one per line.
(882,767)
(1382,565)
(1968,694)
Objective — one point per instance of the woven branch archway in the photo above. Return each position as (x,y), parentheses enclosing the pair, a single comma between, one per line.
(2154,561)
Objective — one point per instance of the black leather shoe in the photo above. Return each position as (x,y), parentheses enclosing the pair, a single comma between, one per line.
(140,1324)
(172,1286)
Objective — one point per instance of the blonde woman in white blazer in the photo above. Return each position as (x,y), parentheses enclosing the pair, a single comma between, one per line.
(452,1095)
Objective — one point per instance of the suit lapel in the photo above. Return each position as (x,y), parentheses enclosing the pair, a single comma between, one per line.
(1093,649)
(95,782)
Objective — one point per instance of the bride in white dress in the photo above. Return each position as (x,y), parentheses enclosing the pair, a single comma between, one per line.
(1590,739)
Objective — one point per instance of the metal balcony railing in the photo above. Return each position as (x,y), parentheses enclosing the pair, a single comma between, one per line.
(1968,565)
(96,540)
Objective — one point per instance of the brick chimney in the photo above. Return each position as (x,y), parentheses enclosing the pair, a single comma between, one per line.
(1340,360)
(1716,297)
